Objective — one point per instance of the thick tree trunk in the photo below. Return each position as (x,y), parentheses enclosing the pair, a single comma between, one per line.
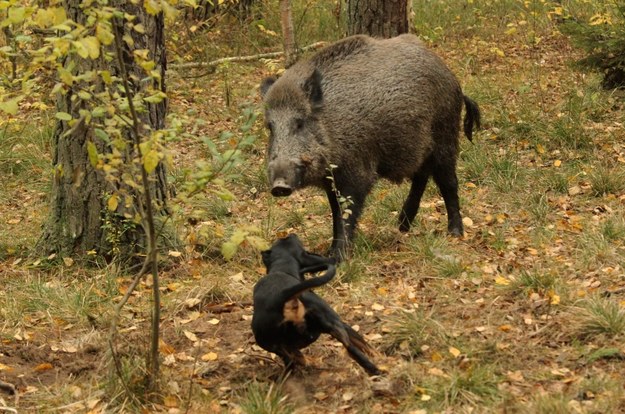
(378,18)
(288,33)
(79,221)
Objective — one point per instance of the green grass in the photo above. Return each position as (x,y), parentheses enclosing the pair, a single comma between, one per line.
(475,386)
(264,398)
(25,156)
(407,333)
(71,301)
(607,179)
(600,316)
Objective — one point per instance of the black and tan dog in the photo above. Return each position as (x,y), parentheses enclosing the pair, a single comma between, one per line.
(289,317)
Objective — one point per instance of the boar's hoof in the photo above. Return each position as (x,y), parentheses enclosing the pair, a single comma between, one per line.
(456,232)
(281,191)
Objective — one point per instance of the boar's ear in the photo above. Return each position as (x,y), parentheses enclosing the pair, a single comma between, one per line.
(312,87)
(266,84)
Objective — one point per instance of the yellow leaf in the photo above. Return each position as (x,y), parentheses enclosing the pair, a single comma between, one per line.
(170,401)
(150,161)
(65,76)
(505,328)
(92,151)
(106,77)
(58,15)
(81,49)
(500,280)
(112,203)
(557,163)
(211,356)
(190,336)
(540,149)
(92,45)
(152,6)
(454,351)
(104,34)
(17,14)
(436,356)
(68,261)
(10,106)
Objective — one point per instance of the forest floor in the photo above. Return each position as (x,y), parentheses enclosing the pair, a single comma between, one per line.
(524,314)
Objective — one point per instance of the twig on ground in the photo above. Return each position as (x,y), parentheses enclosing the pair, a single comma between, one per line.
(198,65)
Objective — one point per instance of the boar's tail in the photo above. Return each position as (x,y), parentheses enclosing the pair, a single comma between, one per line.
(308,284)
(471,118)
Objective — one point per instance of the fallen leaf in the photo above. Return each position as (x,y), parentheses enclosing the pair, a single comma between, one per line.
(46,366)
(170,401)
(436,356)
(165,348)
(377,307)
(214,321)
(500,280)
(454,351)
(190,336)
(505,328)
(210,356)
(515,376)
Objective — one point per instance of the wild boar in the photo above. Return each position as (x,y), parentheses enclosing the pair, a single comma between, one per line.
(361,109)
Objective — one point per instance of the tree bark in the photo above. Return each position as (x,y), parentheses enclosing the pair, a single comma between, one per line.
(378,18)
(79,221)
(288,33)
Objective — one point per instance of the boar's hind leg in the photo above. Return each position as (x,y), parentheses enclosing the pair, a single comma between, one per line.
(447,182)
(411,205)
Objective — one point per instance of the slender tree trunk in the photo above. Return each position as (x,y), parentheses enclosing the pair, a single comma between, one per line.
(80,220)
(378,18)
(288,33)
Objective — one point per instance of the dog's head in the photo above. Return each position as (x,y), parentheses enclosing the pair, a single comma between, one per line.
(291,247)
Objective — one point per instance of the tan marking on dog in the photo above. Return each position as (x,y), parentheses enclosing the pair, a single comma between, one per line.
(294,311)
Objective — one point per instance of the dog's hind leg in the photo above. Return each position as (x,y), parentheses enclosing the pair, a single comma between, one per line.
(291,358)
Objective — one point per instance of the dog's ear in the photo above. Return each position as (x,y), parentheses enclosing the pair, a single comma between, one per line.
(266,255)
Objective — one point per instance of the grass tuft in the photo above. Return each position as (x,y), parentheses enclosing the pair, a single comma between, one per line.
(606,180)
(408,332)
(601,316)
(263,398)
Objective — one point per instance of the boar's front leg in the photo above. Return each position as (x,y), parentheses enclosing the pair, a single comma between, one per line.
(344,222)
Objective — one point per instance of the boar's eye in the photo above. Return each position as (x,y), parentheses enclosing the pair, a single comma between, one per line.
(299,123)
(270,127)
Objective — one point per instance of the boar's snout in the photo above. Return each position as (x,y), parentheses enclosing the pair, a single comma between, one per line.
(280,188)
(285,177)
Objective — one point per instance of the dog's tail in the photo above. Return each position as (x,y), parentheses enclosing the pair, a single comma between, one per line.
(356,346)
(308,284)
